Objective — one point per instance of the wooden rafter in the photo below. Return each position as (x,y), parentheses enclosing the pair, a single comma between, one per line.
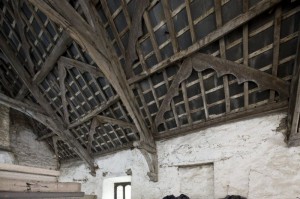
(210,38)
(219,22)
(294,104)
(60,47)
(62,76)
(62,13)
(134,34)
(21,29)
(56,125)
(201,62)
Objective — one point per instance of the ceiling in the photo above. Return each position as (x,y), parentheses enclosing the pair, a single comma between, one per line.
(108,73)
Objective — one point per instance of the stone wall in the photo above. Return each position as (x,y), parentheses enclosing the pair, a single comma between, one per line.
(248,158)
(4,127)
(27,150)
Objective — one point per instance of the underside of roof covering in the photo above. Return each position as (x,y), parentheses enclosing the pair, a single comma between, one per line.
(108,73)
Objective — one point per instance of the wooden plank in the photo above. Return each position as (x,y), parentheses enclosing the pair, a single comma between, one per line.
(37,186)
(60,47)
(213,36)
(230,117)
(26,176)
(26,169)
(40,194)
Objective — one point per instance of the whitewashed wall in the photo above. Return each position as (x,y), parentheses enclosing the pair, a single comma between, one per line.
(250,158)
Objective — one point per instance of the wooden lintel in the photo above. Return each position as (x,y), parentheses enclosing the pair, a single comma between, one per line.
(210,38)
(61,46)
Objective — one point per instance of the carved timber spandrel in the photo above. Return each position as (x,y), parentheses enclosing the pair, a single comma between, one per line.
(201,62)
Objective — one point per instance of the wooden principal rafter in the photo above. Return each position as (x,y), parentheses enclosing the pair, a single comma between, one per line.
(84,34)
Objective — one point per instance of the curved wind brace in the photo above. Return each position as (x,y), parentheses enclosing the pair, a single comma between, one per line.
(201,62)
(150,156)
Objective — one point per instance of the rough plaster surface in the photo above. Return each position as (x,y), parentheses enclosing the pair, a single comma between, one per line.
(250,158)
(27,150)
(197,181)
(4,127)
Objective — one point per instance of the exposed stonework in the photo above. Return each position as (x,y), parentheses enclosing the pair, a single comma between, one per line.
(28,151)
(4,127)
(250,158)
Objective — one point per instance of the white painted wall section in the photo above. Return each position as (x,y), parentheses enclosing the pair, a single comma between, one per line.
(250,158)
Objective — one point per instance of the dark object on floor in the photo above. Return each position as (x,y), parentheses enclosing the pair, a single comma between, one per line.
(170,197)
(234,197)
(182,196)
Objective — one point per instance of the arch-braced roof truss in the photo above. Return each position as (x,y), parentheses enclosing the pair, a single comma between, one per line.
(110,75)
